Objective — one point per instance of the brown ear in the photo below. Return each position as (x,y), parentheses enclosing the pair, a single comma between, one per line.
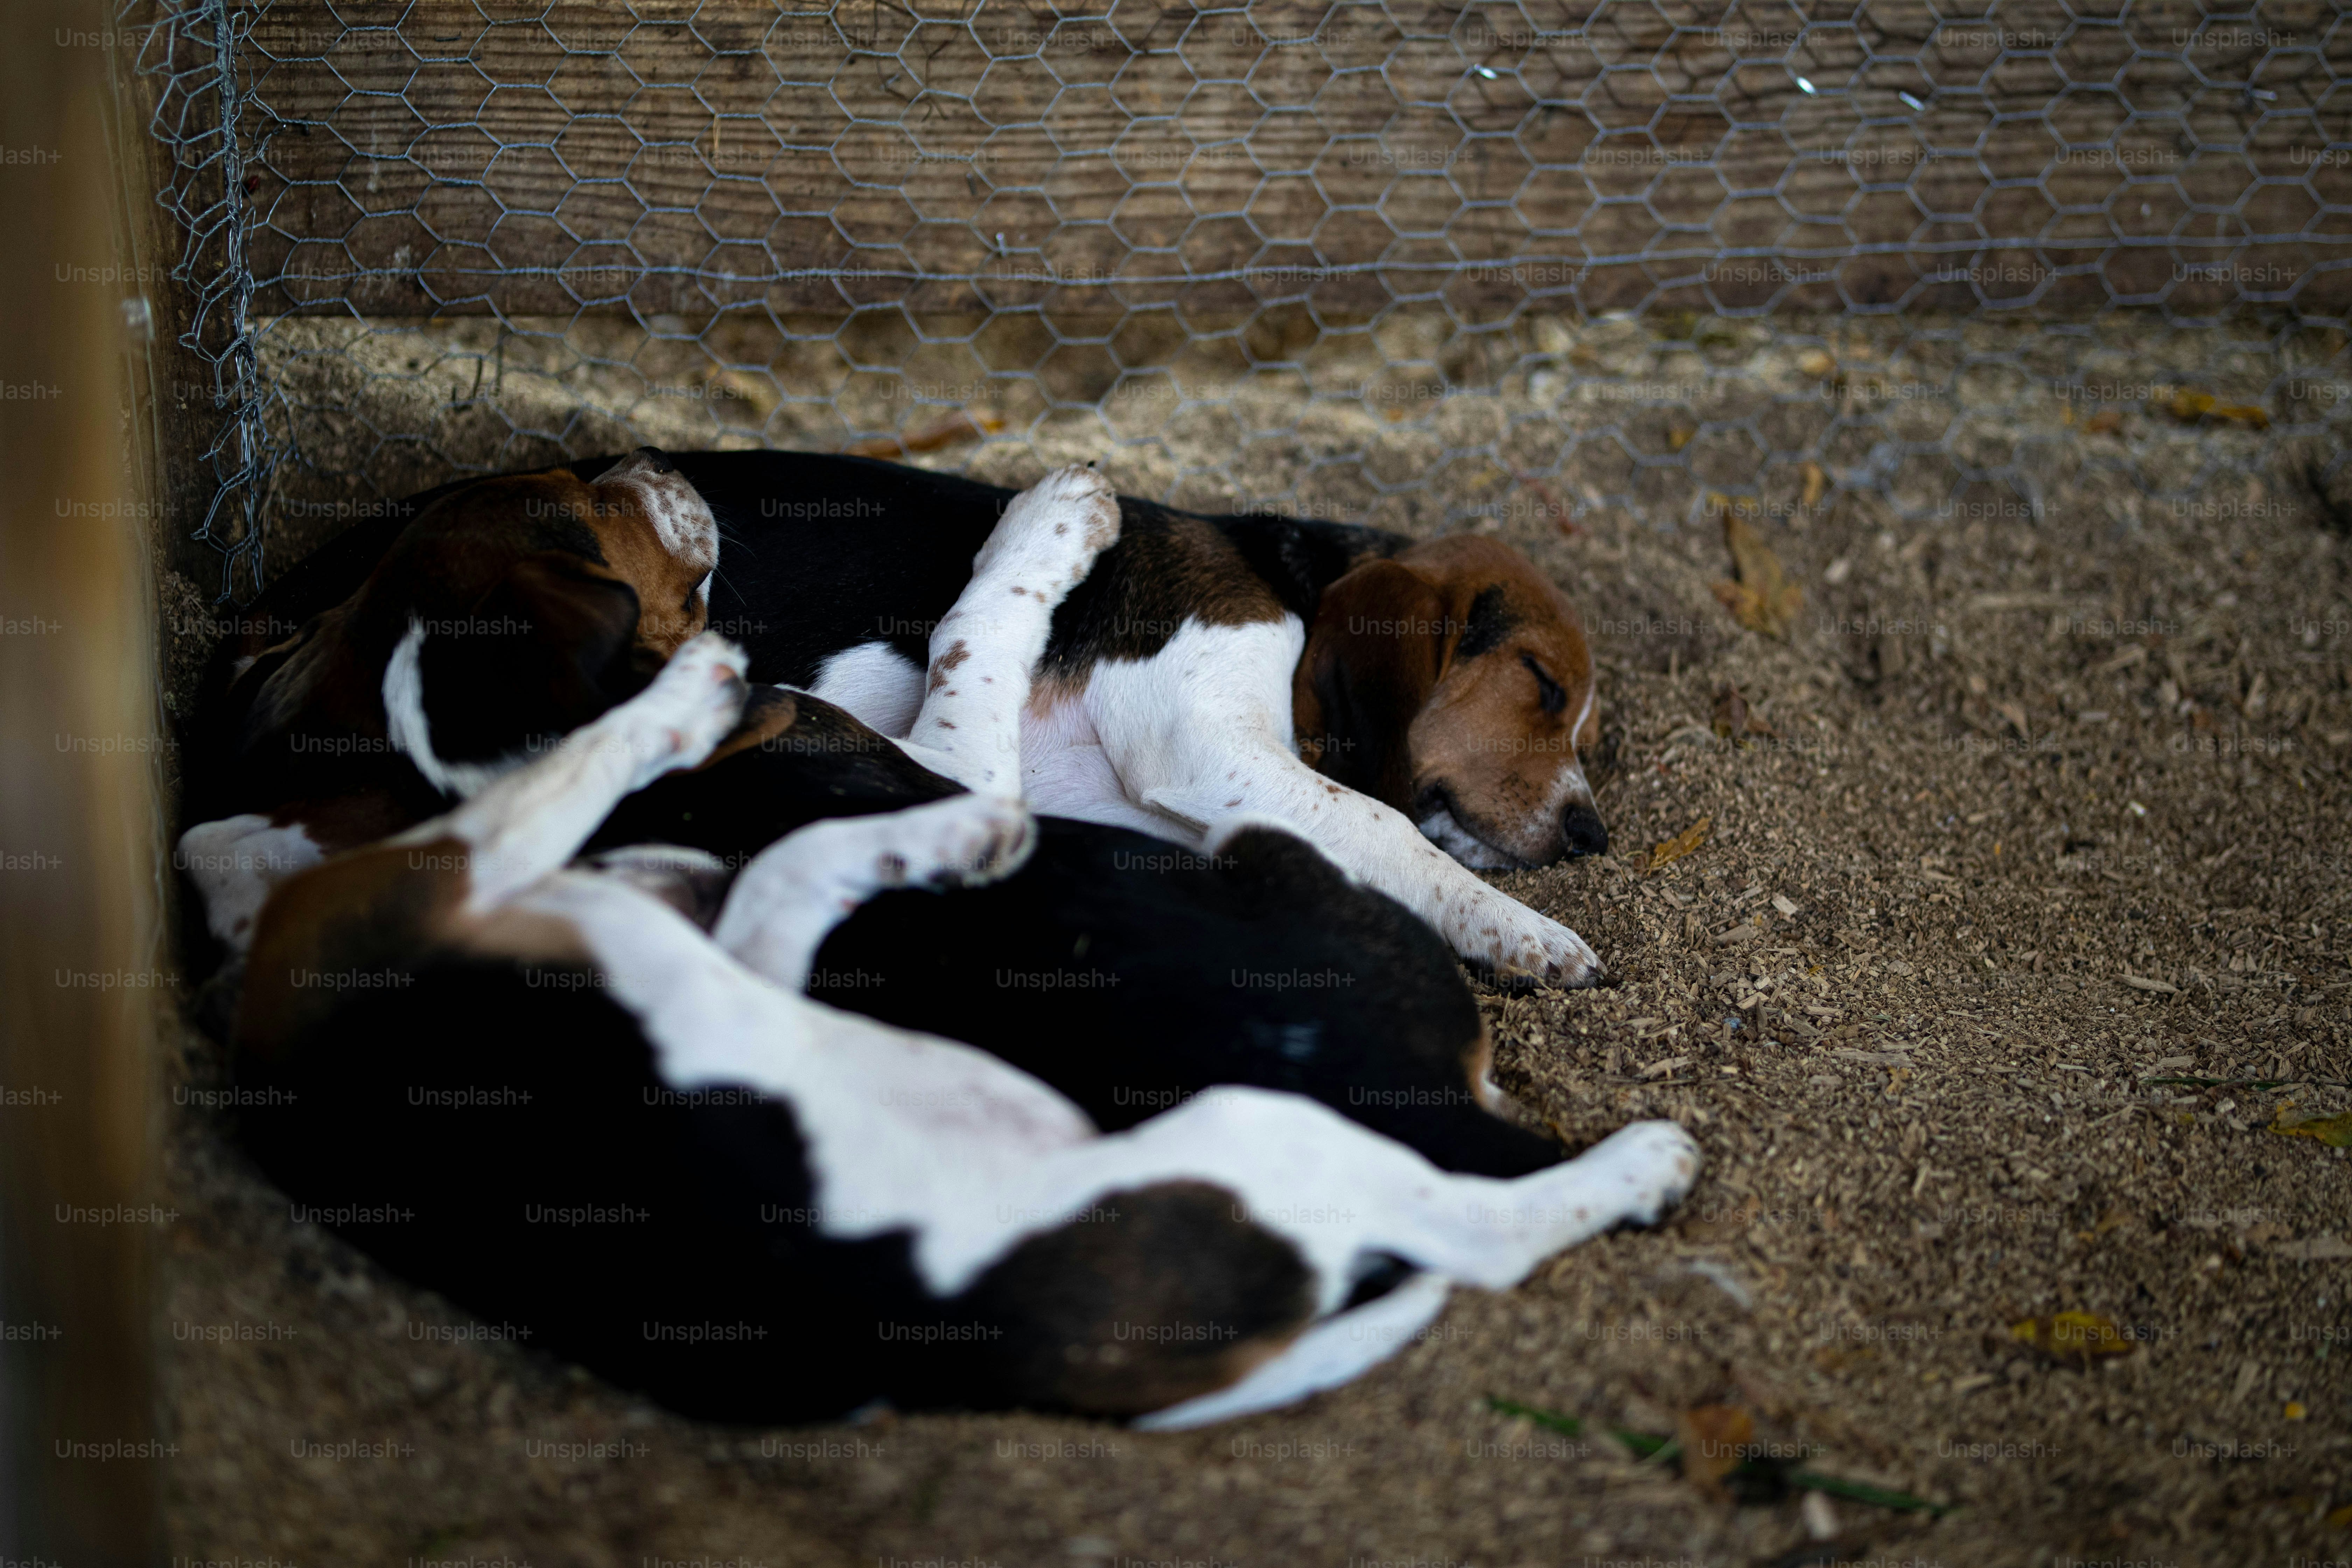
(550,647)
(1373,658)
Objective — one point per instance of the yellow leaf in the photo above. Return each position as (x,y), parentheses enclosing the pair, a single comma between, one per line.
(1763,599)
(1815,363)
(2341,1518)
(2072,1336)
(1714,1439)
(1680,436)
(2189,407)
(1681,844)
(2295,1411)
(2336,1131)
(1816,483)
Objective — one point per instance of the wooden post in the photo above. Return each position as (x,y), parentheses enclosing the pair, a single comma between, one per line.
(83,965)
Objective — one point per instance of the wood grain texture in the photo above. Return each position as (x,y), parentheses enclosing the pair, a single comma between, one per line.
(83,1460)
(440,156)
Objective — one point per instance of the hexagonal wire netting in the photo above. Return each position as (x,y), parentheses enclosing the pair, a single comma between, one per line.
(1400,263)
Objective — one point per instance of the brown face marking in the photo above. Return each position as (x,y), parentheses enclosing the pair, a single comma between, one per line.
(1480,673)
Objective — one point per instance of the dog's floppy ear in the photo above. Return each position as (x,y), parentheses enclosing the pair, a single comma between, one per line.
(547,649)
(1373,658)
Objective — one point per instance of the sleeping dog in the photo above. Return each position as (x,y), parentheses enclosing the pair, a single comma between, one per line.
(1412,708)
(504,612)
(545,1089)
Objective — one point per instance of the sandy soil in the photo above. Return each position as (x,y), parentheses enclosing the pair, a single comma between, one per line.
(2037,808)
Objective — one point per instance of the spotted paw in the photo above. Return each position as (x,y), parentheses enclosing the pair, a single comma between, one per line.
(1050,535)
(1651,1165)
(677,721)
(962,841)
(1530,949)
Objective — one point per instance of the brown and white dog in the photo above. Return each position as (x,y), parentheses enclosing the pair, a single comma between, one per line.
(544,1089)
(528,605)
(483,623)
(1414,710)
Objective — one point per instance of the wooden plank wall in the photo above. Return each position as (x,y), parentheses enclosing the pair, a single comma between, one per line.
(442,156)
(81,967)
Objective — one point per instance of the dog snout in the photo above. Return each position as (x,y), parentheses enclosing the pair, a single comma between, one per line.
(645,462)
(1580,828)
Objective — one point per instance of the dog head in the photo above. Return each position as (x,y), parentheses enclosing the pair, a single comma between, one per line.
(1453,683)
(508,610)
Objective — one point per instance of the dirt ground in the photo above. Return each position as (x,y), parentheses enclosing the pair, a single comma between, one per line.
(2030,812)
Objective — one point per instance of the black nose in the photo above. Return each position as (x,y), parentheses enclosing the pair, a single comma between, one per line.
(1580,828)
(655,459)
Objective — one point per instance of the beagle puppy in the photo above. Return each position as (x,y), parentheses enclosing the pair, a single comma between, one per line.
(545,1087)
(1415,710)
(504,612)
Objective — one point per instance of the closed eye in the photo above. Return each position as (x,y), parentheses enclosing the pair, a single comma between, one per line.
(1553,694)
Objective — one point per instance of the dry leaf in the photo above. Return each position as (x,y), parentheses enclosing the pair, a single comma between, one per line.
(956,427)
(2105,422)
(1681,844)
(1816,484)
(1730,713)
(2190,407)
(2336,1131)
(1763,600)
(1680,436)
(2073,1336)
(1815,363)
(1714,1439)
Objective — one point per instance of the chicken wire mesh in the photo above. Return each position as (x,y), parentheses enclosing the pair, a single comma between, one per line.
(1512,266)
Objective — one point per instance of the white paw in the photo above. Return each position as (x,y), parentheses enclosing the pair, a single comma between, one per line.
(1528,949)
(1651,1164)
(1051,534)
(677,720)
(962,841)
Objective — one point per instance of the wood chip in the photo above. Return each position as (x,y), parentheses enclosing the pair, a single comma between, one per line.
(2140,982)
(1665,1064)
(2318,1250)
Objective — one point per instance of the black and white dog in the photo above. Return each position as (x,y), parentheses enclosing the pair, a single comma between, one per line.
(573,1093)
(1448,674)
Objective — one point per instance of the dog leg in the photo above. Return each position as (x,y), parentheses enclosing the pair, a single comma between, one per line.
(793,894)
(1201,732)
(984,649)
(1337,1192)
(530,821)
(237,863)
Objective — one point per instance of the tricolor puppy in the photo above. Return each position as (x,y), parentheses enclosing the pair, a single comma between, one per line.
(1414,710)
(683,1172)
(442,649)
